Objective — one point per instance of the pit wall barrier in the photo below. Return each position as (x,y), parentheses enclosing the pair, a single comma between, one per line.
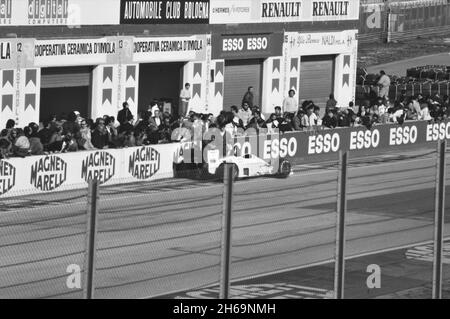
(71,171)
(325,145)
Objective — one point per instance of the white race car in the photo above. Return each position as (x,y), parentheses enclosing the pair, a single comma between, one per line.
(246,166)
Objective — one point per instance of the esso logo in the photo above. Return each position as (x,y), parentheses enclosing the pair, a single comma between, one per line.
(436,132)
(364,140)
(233,45)
(280,148)
(324,143)
(403,135)
(257,44)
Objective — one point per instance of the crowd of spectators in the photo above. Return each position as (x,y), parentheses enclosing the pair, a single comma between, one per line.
(155,127)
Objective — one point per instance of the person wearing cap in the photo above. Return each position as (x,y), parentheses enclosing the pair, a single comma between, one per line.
(384,83)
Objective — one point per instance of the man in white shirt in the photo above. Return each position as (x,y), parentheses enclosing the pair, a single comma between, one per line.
(424,114)
(384,83)
(245,114)
(290,104)
(185,97)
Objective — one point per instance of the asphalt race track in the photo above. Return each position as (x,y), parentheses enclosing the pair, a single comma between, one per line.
(162,238)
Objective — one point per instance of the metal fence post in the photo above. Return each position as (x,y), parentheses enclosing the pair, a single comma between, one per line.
(91,242)
(226,232)
(439,220)
(339,269)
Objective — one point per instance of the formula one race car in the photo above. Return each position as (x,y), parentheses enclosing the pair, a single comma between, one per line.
(247,166)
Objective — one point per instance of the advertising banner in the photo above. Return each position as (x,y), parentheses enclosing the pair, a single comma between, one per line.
(164,12)
(282,11)
(68,52)
(315,146)
(372,20)
(328,42)
(70,13)
(166,49)
(247,46)
(62,172)
(16,53)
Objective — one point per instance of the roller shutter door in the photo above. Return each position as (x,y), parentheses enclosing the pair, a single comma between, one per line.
(316,79)
(66,77)
(239,75)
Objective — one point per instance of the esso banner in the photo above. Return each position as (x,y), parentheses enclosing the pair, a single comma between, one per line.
(247,46)
(69,171)
(326,144)
(381,137)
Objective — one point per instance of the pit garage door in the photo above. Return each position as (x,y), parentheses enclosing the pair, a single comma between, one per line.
(316,79)
(239,75)
(64,90)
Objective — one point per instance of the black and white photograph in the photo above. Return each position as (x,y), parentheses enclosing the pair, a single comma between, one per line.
(224,158)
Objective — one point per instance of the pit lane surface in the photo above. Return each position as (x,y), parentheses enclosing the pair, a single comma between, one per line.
(164,237)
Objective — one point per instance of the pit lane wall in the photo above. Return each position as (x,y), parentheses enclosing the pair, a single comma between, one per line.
(324,145)
(70,171)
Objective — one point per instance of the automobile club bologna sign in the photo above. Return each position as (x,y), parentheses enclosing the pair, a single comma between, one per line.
(100,166)
(144,163)
(7,177)
(48,173)
(164,12)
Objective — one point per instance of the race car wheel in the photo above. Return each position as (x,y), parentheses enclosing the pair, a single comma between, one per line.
(220,172)
(285,169)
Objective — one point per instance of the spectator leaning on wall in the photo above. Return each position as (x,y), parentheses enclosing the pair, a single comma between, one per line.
(384,83)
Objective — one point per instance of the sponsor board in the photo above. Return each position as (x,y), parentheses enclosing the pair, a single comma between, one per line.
(164,12)
(323,42)
(76,52)
(31,53)
(144,162)
(306,146)
(5,12)
(282,11)
(100,166)
(71,13)
(7,176)
(70,171)
(247,46)
(48,173)
(16,53)
(6,51)
(233,11)
(191,48)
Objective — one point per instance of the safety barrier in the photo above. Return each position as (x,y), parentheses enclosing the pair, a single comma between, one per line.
(68,171)
(427,88)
